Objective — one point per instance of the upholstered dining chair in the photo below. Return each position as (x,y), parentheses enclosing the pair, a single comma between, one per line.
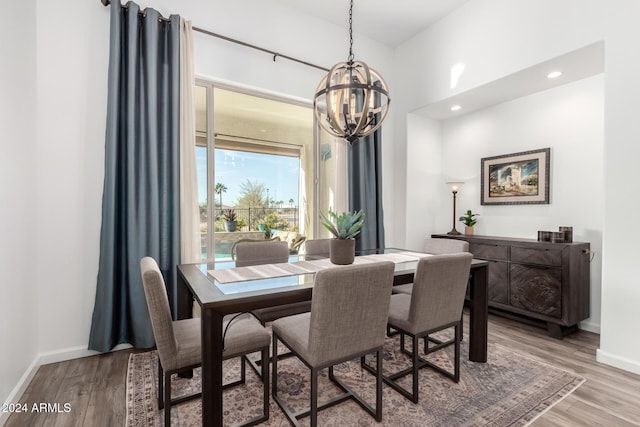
(317,247)
(436,247)
(268,252)
(434,305)
(349,310)
(255,252)
(178,343)
(250,253)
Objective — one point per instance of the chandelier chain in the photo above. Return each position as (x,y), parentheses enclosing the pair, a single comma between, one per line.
(351,32)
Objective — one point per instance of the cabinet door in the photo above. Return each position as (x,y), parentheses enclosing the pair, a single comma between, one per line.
(536,289)
(499,282)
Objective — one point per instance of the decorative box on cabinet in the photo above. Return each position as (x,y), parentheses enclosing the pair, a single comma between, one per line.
(543,281)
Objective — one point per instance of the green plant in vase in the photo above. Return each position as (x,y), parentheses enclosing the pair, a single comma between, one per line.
(469,220)
(345,227)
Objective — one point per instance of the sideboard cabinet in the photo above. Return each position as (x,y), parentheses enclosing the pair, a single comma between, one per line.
(531,280)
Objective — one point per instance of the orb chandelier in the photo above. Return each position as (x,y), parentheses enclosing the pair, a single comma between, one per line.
(352,100)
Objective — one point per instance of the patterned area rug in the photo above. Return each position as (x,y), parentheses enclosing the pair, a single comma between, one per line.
(509,390)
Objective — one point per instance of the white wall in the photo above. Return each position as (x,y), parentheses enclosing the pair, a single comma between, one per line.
(620,283)
(496,38)
(493,38)
(424,180)
(568,119)
(18,208)
(71,111)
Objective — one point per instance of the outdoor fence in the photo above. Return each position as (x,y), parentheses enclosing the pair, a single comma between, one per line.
(250,219)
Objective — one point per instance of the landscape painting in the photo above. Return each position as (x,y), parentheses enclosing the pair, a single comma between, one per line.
(518,178)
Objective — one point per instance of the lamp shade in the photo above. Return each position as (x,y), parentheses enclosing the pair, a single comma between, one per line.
(455,185)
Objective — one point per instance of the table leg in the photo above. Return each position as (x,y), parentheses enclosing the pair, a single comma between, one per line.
(211,368)
(185,298)
(185,309)
(479,314)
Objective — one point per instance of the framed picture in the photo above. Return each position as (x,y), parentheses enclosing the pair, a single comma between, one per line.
(516,179)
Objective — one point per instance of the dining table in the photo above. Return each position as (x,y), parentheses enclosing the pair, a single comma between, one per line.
(220,288)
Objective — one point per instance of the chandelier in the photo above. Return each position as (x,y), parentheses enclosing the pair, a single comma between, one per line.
(352,100)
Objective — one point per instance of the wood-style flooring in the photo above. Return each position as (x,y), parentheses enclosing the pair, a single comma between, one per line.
(95,386)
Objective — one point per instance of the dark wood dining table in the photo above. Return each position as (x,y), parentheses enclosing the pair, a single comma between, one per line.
(216,299)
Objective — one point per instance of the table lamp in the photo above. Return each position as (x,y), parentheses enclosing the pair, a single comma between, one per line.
(455,186)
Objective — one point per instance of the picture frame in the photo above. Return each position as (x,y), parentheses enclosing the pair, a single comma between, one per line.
(516,179)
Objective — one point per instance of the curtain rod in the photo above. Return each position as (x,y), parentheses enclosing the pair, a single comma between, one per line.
(229,39)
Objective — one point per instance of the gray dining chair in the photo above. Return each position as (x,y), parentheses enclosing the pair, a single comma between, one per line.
(349,310)
(179,348)
(434,305)
(317,247)
(268,252)
(436,247)
(250,253)
(255,252)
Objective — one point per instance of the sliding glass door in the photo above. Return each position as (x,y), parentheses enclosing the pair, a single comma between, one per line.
(256,165)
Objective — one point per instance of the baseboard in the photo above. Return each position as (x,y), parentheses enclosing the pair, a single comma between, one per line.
(618,362)
(44,359)
(590,327)
(65,354)
(20,388)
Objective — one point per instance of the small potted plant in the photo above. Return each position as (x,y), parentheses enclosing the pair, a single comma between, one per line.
(230,219)
(469,220)
(345,227)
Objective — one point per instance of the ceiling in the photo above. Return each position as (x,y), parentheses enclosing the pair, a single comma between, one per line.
(402,21)
(388,22)
(576,65)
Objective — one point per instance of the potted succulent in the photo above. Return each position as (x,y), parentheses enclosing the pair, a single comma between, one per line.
(345,227)
(469,220)
(230,219)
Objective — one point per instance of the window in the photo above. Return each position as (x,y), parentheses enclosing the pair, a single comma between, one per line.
(261,155)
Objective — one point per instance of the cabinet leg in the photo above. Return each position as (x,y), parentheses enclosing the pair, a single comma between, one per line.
(554,330)
(559,331)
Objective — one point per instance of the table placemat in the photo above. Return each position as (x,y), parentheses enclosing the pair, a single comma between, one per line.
(268,271)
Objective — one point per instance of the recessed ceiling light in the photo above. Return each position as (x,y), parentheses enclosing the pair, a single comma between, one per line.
(455,108)
(554,74)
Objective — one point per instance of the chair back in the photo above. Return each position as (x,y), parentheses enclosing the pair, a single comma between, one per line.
(155,292)
(293,239)
(439,288)
(317,247)
(261,252)
(444,246)
(349,310)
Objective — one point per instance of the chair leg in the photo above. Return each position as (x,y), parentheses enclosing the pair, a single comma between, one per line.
(456,363)
(160,386)
(167,399)
(414,361)
(265,380)
(378,385)
(243,369)
(314,397)
(274,375)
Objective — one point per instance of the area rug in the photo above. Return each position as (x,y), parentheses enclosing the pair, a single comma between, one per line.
(509,390)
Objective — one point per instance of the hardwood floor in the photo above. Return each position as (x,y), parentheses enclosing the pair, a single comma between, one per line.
(95,386)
